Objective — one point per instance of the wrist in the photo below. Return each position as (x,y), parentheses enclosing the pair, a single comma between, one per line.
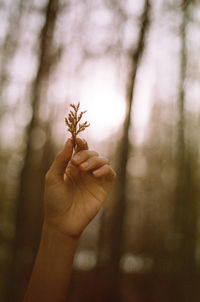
(52,269)
(52,234)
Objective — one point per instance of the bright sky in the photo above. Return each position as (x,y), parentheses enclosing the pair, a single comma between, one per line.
(105,106)
(99,91)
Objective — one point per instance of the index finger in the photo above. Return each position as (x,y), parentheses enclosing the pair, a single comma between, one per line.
(81,144)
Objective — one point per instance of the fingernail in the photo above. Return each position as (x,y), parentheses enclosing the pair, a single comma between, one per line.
(76,157)
(84,165)
(96,172)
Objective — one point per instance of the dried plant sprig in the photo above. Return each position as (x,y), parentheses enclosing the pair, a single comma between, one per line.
(73,122)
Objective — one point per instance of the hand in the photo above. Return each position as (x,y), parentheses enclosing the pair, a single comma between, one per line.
(76,187)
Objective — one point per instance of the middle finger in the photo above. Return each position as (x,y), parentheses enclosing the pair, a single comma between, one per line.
(93,163)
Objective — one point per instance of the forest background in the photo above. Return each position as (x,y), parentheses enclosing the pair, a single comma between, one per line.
(135,68)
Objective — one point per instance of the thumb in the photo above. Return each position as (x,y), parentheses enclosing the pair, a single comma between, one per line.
(60,163)
(81,144)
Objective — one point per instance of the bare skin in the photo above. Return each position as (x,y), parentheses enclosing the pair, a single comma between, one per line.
(74,193)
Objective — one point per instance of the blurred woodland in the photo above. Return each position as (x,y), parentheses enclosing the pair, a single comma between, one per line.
(134,66)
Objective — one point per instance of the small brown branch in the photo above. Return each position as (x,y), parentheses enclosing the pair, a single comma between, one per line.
(72,121)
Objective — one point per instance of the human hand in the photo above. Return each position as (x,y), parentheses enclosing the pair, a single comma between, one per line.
(74,193)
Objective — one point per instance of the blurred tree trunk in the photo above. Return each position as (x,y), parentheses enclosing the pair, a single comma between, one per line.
(7,52)
(118,214)
(8,48)
(29,203)
(185,207)
(10,43)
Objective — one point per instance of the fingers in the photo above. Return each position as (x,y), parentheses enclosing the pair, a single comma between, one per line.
(105,171)
(93,163)
(82,156)
(81,148)
(90,161)
(86,160)
(59,165)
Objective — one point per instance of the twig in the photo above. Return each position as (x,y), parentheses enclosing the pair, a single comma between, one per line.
(73,122)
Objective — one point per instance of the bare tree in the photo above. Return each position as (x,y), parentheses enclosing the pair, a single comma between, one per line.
(29,200)
(10,42)
(185,206)
(117,220)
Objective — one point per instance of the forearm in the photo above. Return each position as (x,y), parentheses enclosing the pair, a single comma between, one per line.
(52,270)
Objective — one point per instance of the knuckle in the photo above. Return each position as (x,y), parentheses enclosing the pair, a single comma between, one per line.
(96,160)
(104,160)
(93,153)
(87,154)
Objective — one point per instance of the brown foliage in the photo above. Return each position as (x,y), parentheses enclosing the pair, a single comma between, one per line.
(73,122)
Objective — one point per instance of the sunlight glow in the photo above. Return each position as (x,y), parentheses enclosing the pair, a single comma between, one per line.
(106,108)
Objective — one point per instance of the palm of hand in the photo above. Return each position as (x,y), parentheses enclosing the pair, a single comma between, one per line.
(72,203)
(74,193)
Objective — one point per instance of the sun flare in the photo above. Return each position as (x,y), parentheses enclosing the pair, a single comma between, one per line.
(105,110)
